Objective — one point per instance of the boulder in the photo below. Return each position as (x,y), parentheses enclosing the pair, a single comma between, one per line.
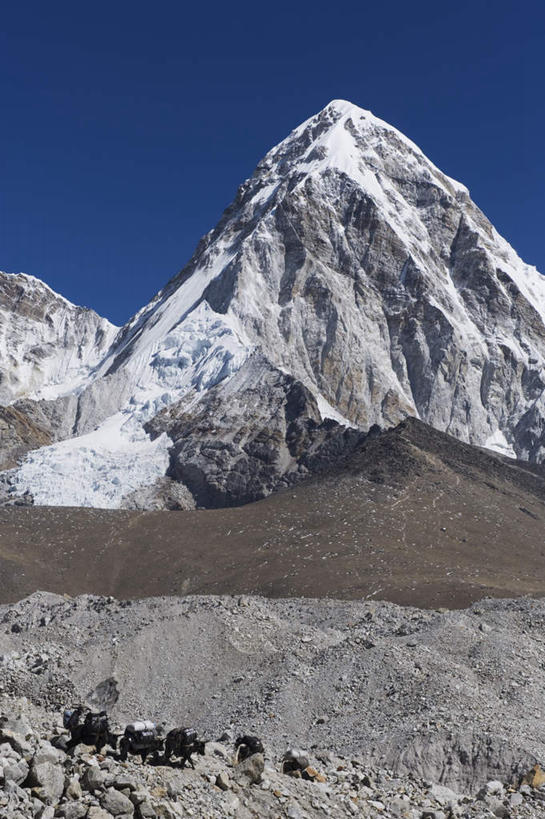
(72,788)
(47,753)
(95,812)
(15,771)
(222,781)
(312,775)
(73,810)
(250,770)
(217,749)
(116,803)
(49,777)
(17,742)
(145,810)
(93,778)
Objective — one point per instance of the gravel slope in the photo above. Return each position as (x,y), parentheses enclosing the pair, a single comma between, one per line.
(454,697)
(414,517)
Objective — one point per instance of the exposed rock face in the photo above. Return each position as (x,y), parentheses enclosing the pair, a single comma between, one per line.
(18,434)
(255,433)
(47,344)
(351,265)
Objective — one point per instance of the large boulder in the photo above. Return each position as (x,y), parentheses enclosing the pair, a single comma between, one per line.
(13,770)
(49,778)
(117,803)
(93,778)
(250,770)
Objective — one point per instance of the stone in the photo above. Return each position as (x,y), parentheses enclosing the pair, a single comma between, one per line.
(145,810)
(17,724)
(95,812)
(49,777)
(443,795)
(17,742)
(492,788)
(222,781)
(73,810)
(249,771)
(138,796)
(72,789)
(15,771)
(123,781)
(312,774)
(47,753)
(217,749)
(295,759)
(116,803)
(93,778)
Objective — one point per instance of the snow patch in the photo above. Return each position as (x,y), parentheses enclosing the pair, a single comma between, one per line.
(327,411)
(497,442)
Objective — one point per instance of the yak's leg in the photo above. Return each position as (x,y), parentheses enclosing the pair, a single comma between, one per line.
(123,750)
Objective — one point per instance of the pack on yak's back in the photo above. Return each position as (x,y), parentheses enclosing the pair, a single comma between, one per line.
(67,713)
(142,728)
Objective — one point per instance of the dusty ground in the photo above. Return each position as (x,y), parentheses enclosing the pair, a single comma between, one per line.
(416,518)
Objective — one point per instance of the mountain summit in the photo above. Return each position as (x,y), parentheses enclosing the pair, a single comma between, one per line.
(350,284)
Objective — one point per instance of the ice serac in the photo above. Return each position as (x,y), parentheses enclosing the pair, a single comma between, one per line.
(362,278)
(48,346)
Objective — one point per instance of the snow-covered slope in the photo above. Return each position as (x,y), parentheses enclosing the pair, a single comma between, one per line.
(48,346)
(349,262)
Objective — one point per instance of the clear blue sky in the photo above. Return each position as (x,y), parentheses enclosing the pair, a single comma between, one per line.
(127,126)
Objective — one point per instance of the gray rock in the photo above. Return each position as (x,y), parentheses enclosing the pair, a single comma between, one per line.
(145,810)
(73,810)
(93,778)
(49,777)
(444,795)
(250,770)
(222,781)
(15,771)
(72,788)
(47,753)
(95,812)
(17,741)
(116,803)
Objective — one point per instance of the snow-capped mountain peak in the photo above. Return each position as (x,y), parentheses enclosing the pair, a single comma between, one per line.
(363,280)
(48,346)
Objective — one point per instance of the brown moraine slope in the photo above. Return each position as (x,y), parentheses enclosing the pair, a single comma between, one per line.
(415,517)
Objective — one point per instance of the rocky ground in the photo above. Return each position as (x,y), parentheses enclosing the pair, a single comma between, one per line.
(40,780)
(402,712)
